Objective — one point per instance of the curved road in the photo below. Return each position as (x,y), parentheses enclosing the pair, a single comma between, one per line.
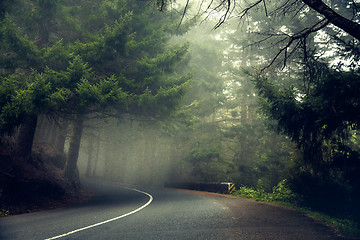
(169,215)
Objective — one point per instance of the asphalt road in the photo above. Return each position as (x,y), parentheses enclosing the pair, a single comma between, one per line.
(170,215)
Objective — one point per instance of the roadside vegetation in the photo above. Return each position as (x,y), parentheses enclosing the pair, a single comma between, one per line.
(283,195)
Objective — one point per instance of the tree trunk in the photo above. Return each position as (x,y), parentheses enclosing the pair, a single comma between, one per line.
(48,127)
(40,130)
(53,131)
(71,171)
(61,136)
(108,168)
(96,160)
(26,137)
(90,156)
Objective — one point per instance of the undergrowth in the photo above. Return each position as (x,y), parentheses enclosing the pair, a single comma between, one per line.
(281,194)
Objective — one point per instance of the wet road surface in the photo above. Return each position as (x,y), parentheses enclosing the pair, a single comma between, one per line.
(121,213)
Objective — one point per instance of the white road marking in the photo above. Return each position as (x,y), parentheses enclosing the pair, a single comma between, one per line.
(110,220)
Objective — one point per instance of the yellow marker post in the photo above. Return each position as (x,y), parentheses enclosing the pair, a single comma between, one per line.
(231,188)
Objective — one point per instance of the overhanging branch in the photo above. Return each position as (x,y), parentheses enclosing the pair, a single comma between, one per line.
(296,39)
(350,27)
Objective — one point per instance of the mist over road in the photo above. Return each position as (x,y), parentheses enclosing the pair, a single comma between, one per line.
(171,215)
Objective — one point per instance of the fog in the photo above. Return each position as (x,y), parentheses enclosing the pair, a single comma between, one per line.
(130,151)
(215,134)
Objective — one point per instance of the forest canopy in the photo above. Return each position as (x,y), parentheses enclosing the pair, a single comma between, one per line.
(72,61)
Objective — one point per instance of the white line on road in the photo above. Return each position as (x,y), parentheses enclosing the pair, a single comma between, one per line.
(107,221)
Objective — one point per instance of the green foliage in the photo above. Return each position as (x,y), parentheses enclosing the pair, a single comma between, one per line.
(56,56)
(247,193)
(205,151)
(23,50)
(88,94)
(347,227)
(70,57)
(281,193)
(320,113)
(59,98)
(8,87)
(23,97)
(111,94)
(325,110)
(116,37)
(77,70)
(162,102)
(168,99)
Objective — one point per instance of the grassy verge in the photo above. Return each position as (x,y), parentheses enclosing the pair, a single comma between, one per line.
(282,195)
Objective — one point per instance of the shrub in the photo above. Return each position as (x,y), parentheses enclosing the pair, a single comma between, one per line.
(283,193)
(280,193)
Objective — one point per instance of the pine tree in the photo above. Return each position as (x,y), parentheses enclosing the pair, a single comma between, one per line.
(121,66)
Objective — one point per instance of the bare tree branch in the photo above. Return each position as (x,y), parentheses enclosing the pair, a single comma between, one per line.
(350,27)
(289,43)
(228,11)
(265,8)
(183,15)
(246,10)
(160,4)
(283,8)
(299,38)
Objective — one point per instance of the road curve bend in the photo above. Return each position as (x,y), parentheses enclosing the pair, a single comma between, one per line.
(109,220)
(116,212)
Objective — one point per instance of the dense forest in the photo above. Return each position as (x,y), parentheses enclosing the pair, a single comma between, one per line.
(66,64)
(263,94)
